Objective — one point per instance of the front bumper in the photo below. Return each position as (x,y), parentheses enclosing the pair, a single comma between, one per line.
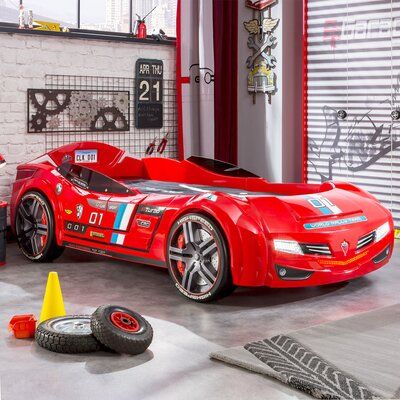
(312,270)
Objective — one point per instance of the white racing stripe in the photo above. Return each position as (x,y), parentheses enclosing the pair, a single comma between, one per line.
(126,217)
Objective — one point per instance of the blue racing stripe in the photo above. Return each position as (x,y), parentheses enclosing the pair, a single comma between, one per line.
(114,237)
(325,210)
(120,214)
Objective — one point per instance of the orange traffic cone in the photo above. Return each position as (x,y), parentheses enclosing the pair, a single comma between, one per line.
(53,303)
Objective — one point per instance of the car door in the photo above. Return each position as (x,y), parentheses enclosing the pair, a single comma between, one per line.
(89,215)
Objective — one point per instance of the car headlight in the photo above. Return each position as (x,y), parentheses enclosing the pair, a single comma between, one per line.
(382,231)
(287,246)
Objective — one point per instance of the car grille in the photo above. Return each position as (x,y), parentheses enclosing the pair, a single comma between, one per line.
(365,240)
(316,248)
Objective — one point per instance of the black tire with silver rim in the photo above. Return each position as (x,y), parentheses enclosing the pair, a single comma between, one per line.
(35,228)
(198,260)
(70,334)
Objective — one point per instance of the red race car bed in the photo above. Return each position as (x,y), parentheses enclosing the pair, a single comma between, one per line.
(212,224)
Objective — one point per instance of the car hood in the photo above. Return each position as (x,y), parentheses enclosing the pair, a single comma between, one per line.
(301,212)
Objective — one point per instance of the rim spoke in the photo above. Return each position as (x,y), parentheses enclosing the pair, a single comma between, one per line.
(41,229)
(27,231)
(34,244)
(26,224)
(35,209)
(22,211)
(208,246)
(206,278)
(178,254)
(188,232)
(208,270)
(187,278)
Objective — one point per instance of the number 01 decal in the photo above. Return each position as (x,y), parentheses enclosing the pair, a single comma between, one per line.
(96,218)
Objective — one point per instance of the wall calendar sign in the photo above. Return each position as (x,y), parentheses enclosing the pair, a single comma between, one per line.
(149,94)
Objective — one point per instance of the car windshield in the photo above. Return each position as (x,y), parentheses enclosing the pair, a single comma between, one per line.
(88,179)
(221,167)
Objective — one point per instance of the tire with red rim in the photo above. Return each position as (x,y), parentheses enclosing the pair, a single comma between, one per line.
(35,228)
(121,329)
(198,260)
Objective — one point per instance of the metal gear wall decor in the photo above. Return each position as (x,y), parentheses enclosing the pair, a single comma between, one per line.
(109,119)
(121,101)
(38,121)
(49,102)
(82,108)
(67,111)
(54,122)
(261,77)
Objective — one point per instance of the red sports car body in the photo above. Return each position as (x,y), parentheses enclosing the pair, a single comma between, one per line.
(212,224)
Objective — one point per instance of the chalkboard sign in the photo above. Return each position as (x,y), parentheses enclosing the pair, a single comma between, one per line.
(149,94)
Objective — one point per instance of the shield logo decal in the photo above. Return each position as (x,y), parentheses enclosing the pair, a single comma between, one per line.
(345,247)
(79,210)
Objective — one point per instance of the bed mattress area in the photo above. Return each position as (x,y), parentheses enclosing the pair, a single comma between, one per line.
(161,187)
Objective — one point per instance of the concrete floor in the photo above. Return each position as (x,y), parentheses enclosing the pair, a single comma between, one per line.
(176,366)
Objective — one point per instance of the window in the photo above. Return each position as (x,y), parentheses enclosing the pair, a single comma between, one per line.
(101,15)
(163,17)
(62,11)
(86,178)
(105,15)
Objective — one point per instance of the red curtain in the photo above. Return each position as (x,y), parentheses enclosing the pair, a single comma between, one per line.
(225,15)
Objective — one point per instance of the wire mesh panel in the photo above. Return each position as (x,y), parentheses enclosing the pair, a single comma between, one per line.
(63,111)
(135,141)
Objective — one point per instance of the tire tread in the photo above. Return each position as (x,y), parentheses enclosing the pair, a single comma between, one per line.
(63,343)
(118,341)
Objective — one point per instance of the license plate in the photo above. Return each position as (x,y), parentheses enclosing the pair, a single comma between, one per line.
(85,156)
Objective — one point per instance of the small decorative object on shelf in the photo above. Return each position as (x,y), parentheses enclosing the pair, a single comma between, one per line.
(261,78)
(30,19)
(46,26)
(139,28)
(21,16)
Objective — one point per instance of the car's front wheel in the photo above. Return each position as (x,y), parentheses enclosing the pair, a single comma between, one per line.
(35,228)
(198,260)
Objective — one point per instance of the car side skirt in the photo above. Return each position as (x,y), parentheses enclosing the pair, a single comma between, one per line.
(114,254)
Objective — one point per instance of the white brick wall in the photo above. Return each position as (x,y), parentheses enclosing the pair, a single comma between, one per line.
(24,62)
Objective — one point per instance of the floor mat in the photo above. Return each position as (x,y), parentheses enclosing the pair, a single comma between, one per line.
(353,358)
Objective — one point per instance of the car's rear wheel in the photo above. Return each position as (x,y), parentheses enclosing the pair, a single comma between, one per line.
(35,228)
(198,260)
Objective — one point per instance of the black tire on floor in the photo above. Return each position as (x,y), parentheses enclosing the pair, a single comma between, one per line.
(70,334)
(121,329)
(35,228)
